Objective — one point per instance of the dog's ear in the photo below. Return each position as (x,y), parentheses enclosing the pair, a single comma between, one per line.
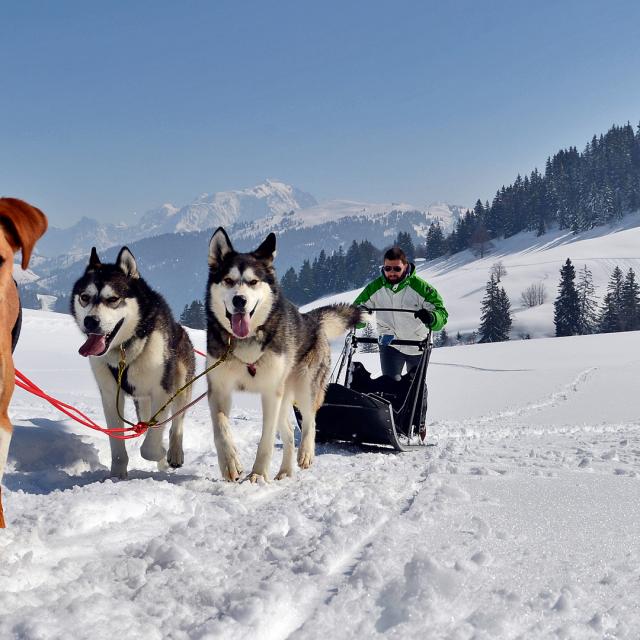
(94,261)
(127,263)
(219,247)
(267,250)
(24,224)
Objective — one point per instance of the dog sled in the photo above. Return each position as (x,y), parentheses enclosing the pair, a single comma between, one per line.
(375,411)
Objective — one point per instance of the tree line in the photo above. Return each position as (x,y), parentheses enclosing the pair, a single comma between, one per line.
(577,191)
(339,271)
(576,309)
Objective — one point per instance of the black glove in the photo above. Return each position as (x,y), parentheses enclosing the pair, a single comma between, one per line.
(425,316)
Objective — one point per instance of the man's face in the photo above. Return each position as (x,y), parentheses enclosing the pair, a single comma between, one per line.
(394,270)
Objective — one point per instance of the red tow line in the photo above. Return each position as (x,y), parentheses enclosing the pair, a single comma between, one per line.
(75,414)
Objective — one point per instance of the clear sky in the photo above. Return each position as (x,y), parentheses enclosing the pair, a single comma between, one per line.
(110,108)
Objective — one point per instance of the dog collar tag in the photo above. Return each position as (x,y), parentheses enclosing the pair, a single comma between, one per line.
(251,368)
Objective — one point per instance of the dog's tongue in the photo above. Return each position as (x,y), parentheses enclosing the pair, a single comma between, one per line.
(240,324)
(94,345)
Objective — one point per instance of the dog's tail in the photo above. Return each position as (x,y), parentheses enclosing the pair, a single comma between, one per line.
(335,319)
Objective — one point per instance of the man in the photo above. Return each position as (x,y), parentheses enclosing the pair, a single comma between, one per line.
(398,287)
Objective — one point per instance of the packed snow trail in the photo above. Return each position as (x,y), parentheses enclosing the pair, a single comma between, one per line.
(521,522)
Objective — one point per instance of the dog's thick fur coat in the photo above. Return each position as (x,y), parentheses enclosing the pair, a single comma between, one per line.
(113,306)
(276,351)
(20,227)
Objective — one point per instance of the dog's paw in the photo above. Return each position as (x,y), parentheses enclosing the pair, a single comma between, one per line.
(284,473)
(255,478)
(305,457)
(175,457)
(118,473)
(230,469)
(152,452)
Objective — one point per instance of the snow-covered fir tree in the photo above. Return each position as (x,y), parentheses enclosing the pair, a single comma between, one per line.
(495,318)
(609,320)
(442,339)
(630,303)
(404,241)
(193,315)
(566,314)
(587,302)
(369,332)
(436,245)
(289,284)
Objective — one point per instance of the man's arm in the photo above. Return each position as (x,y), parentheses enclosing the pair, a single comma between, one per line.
(430,295)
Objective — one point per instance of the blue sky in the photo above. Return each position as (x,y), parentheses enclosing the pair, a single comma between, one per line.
(116,107)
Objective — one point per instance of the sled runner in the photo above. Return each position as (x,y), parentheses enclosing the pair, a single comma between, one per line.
(379,411)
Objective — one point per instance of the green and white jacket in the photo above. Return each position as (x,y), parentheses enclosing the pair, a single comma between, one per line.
(412,292)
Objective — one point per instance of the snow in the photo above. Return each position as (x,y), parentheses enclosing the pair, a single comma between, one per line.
(521,521)
(336,210)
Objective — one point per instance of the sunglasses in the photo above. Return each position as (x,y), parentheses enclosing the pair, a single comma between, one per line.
(389,268)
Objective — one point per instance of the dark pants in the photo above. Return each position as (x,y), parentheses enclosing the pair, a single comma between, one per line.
(393,361)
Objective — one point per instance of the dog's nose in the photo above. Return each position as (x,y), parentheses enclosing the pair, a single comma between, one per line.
(91,323)
(239,302)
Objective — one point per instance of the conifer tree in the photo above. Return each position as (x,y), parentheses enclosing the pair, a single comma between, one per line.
(610,313)
(289,284)
(193,315)
(405,242)
(368,332)
(442,339)
(566,315)
(339,271)
(504,313)
(495,319)
(352,265)
(436,244)
(199,317)
(630,303)
(306,285)
(587,303)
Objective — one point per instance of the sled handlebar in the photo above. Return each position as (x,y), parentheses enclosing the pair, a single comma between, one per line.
(403,343)
(372,309)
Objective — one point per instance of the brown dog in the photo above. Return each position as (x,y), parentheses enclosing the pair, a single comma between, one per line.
(20,226)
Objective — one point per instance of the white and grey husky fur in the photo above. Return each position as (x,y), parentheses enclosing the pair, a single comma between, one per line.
(114,306)
(276,351)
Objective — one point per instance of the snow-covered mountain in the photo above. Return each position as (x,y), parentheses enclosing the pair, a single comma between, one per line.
(73,241)
(336,211)
(170,235)
(270,206)
(225,208)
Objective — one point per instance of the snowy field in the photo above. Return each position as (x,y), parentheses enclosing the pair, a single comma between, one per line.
(522,521)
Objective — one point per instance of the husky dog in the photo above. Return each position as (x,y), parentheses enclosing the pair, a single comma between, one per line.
(114,307)
(275,351)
